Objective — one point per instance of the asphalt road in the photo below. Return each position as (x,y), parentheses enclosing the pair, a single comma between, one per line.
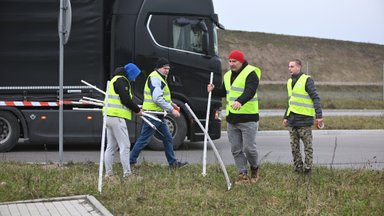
(342,149)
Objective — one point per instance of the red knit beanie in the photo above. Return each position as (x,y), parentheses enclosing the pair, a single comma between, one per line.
(238,55)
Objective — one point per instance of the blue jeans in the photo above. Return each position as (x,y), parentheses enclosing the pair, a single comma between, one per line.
(145,137)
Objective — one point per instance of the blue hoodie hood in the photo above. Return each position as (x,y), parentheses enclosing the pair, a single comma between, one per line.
(132,71)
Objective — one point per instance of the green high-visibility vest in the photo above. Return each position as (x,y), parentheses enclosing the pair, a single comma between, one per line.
(237,88)
(115,107)
(299,100)
(148,103)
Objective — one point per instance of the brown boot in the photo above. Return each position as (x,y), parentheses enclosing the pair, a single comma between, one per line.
(254,175)
(243,179)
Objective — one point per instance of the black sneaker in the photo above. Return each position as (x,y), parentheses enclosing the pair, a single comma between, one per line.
(307,172)
(298,170)
(177,165)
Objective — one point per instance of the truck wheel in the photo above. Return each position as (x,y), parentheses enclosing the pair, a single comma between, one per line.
(9,131)
(178,129)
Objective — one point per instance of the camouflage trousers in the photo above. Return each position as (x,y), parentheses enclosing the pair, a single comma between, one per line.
(304,134)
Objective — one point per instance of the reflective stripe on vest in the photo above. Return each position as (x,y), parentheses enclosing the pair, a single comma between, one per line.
(148,103)
(299,100)
(237,88)
(115,107)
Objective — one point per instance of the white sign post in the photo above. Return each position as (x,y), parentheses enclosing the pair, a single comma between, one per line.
(206,128)
(64,29)
(101,165)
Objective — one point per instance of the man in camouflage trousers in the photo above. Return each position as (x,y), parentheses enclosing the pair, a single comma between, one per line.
(303,106)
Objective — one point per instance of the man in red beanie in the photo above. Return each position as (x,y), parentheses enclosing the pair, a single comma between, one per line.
(242,113)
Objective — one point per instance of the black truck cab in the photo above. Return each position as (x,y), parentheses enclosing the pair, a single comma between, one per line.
(105,34)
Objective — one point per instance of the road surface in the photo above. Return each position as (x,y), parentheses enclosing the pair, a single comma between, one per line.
(342,148)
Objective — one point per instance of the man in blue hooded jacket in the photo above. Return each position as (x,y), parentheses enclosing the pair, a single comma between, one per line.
(120,107)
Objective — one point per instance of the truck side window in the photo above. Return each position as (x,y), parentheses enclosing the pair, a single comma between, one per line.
(158,27)
(188,34)
(216,40)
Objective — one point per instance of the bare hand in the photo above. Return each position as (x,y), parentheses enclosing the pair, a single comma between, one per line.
(175,113)
(140,113)
(236,105)
(319,123)
(285,122)
(210,87)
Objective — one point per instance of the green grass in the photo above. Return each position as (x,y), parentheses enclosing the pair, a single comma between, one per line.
(326,104)
(274,96)
(186,192)
(331,123)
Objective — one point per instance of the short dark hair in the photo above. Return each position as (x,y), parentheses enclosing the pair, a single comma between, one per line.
(161,62)
(297,61)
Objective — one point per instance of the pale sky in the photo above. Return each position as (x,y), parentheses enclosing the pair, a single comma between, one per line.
(350,20)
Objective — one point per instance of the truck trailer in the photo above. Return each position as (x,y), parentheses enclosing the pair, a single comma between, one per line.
(105,34)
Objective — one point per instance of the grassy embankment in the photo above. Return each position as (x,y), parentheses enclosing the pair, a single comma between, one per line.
(186,192)
(354,72)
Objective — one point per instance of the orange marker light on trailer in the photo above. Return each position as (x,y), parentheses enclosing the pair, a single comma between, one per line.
(217,115)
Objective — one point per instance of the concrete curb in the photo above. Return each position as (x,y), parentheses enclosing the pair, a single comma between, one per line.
(98,205)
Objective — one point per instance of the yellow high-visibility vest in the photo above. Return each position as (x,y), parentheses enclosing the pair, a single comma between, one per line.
(148,103)
(299,100)
(237,88)
(115,107)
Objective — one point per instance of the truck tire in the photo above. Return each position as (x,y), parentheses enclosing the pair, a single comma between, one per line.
(178,129)
(9,131)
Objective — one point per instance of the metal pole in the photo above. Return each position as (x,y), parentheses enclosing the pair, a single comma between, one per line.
(206,128)
(93,86)
(229,184)
(64,28)
(61,77)
(101,164)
